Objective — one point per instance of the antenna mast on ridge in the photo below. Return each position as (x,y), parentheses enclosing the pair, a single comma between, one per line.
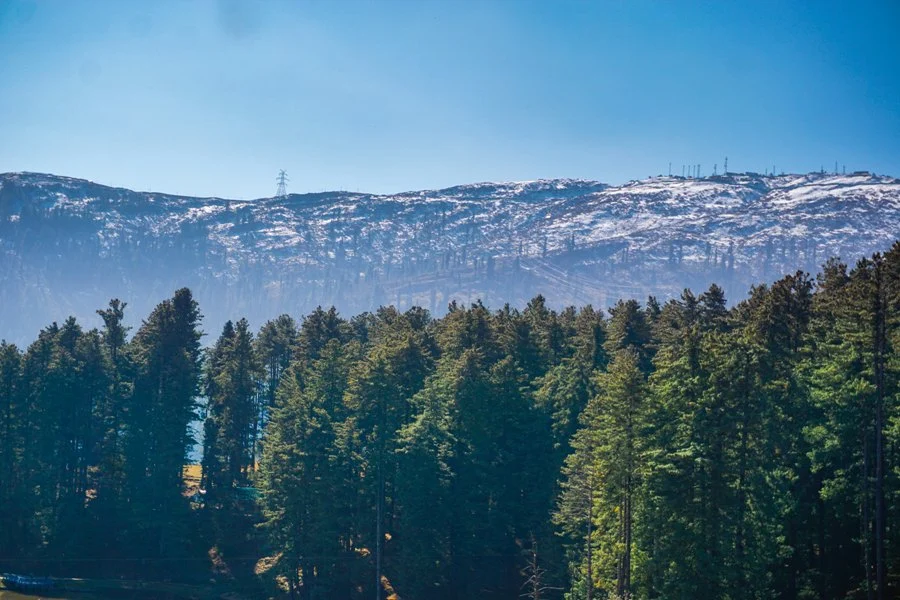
(281,180)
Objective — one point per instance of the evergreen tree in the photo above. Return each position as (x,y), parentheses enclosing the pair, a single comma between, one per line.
(275,346)
(232,397)
(681,517)
(213,469)
(602,476)
(682,450)
(309,481)
(166,353)
(628,328)
(425,454)
(379,391)
(12,419)
(111,415)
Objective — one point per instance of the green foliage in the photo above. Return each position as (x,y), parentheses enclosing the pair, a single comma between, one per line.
(157,436)
(678,450)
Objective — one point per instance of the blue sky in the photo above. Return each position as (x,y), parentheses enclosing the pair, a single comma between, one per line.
(213,97)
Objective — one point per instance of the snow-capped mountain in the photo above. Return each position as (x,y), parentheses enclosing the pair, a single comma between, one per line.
(67,245)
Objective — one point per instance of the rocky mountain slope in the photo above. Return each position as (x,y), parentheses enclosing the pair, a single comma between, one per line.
(68,245)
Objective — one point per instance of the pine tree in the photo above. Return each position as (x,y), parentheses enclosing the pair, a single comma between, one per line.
(309,481)
(379,391)
(425,454)
(275,348)
(854,379)
(681,521)
(166,353)
(237,382)
(602,477)
(213,469)
(12,419)
(111,414)
(681,450)
(628,329)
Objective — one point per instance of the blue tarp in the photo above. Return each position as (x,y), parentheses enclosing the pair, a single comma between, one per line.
(25,583)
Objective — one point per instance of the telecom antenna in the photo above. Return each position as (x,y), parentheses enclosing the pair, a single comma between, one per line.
(670,169)
(715,168)
(281,180)
(726,165)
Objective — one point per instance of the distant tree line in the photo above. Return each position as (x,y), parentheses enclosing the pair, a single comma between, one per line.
(678,450)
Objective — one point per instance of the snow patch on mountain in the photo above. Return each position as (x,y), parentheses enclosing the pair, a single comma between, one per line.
(67,245)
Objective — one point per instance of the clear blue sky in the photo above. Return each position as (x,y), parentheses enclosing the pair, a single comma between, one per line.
(213,97)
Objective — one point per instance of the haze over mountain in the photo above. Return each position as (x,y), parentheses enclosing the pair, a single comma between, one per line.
(68,245)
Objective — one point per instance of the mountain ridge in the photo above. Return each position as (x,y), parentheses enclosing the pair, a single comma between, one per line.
(67,245)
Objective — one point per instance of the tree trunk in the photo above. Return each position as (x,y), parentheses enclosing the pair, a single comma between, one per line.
(879,364)
(740,543)
(629,480)
(866,519)
(379,536)
(590,522)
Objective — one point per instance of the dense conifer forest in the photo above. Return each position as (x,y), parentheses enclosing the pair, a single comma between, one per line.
(675,450)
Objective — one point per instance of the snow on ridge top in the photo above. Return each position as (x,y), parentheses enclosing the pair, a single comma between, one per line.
(508,189)
(677,184)
(31,178)
(841,189)
(500,189)
(35,177)
(574,222)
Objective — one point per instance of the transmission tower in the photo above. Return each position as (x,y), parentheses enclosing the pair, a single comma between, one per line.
(726,165)
(281,180)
